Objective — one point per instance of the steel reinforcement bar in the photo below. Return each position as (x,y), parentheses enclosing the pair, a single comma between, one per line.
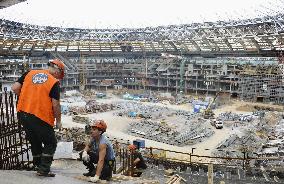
(13,145)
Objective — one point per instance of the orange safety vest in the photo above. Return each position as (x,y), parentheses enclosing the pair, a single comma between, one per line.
(34,97)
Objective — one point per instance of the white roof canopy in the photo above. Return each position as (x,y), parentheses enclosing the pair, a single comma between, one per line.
(138,14)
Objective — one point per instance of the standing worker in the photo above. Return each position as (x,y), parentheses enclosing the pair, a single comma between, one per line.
(138,160)
(98,150)
(38,107)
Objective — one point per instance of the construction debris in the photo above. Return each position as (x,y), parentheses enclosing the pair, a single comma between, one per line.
(176,179)
(81,119)
(121,178)
(75,135)
(252,108)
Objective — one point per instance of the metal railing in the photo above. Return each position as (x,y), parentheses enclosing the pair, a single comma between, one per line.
(13,145)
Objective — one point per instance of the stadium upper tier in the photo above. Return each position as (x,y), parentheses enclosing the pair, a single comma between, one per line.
(252,35)
(8,3)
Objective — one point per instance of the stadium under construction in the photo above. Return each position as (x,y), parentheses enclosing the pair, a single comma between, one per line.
(242,59)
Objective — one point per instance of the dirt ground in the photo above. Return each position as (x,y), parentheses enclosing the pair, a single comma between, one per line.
(243,107)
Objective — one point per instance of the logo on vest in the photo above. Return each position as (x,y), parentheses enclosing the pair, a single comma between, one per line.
(40,78)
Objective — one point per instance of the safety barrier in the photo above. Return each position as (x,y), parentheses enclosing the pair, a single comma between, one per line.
(13,145)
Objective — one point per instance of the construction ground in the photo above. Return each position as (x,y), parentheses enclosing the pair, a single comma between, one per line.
(250,130)
(181,144)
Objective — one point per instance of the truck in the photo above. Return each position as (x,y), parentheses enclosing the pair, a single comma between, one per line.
(219,124)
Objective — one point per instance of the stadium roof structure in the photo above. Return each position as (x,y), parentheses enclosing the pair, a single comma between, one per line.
(8,3)
(255,36)
(261,36)
(89,14)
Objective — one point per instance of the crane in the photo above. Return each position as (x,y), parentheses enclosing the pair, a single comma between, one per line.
(208,113)
(82,73)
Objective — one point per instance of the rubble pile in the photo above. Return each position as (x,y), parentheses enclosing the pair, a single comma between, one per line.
(91,107)
(229,116)
(77,110)
(279,130)
(87,93)
(75,135)
(134,109)
(272,118)
(273,147)
(235,146)
(262,137)
(81,119)
(190,133)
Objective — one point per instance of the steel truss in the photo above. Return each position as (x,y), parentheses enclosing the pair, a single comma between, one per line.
(252,35)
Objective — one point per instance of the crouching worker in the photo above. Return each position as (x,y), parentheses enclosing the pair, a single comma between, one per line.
(98,151)
(138,160)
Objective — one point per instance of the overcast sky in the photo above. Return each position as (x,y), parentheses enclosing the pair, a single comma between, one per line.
(134,13)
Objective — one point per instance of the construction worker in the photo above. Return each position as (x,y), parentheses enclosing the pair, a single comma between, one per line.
(138,160)
(98,150)
(38,107)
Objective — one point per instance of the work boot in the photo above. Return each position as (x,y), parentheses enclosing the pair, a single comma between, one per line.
(45,174)
(36,162)
(44,167)
(90,173)
(91,169)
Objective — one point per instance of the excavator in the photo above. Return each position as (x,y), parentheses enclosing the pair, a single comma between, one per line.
(208,113)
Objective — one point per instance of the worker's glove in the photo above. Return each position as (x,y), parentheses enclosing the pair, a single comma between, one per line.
(85,156)
(94,179)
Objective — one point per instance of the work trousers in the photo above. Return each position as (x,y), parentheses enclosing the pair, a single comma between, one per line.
(42,139)
(106,173)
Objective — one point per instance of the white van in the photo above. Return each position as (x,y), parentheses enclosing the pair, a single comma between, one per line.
(219,124)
